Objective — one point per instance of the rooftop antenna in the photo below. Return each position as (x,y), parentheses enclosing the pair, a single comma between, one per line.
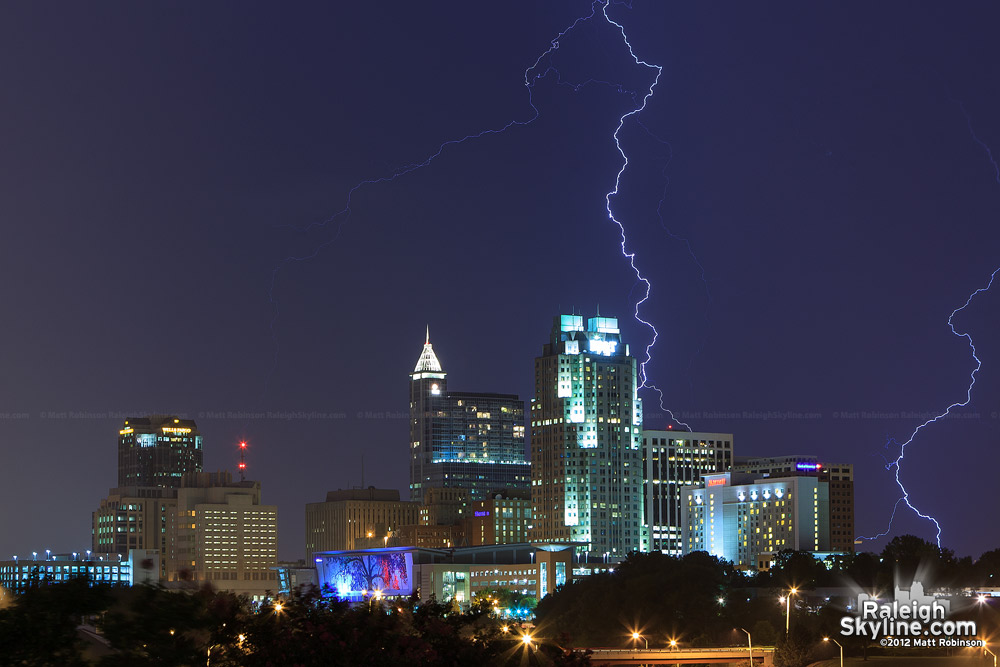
(598,309)
(243,460)
(363,469)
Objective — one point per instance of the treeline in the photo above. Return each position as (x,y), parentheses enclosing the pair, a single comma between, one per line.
(700,601)
(148,626)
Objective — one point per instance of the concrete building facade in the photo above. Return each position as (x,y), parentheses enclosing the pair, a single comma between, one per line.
(349,516)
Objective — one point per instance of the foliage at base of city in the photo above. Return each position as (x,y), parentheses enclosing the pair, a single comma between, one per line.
(151,626)
(699,601)
(695,601)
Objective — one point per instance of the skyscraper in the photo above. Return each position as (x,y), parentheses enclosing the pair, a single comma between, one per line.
(675,460)
(586,440)
(157,451)
(473,441)
(153,454)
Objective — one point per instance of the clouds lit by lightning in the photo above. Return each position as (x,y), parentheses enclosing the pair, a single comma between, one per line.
(896,464)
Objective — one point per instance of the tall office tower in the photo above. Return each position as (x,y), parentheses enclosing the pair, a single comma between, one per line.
(839,476)
(157,451)
(221,533)
(472,441)
(349,517)
(675,460)
(586,440)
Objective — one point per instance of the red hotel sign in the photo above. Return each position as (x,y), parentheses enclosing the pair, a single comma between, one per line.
(718,481)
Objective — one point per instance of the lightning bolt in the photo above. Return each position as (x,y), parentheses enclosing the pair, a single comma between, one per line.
(630,256)
(539,70)
(897,463)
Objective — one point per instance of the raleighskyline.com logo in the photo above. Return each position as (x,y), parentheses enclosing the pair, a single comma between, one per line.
(911,615)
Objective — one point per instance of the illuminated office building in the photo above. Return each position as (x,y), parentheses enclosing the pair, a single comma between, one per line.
(675,460)
(742,518)
(157,451)
(223,535)
(839,476)
(472,441)
(586,440)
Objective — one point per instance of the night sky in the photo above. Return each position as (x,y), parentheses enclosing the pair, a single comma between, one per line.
(158,161)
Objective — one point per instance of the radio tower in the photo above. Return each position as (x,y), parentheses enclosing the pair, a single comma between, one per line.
(243,460)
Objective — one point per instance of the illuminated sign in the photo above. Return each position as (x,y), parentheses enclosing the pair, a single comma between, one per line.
(482,513)
(808,466)
(603,347)
(175,429)
(718,481)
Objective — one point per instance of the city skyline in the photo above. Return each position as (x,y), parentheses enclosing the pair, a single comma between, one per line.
(811,196)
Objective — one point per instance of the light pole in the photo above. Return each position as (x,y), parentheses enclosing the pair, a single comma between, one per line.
(749,645)
(993,654)
(636,637)
(827,639)
(787,599)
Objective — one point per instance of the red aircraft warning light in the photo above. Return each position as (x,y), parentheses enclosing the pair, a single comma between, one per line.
(243,461)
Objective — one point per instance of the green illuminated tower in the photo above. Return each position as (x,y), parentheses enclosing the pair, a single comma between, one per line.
(586,440)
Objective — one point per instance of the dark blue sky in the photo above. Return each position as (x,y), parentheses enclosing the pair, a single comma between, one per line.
(157,158)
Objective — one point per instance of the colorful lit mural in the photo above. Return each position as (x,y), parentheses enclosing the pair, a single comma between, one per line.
(354,575)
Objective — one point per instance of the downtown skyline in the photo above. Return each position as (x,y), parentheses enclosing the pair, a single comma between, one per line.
(828,174)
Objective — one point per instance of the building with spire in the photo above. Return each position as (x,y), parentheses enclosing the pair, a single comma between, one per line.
(465,440)
(586,441)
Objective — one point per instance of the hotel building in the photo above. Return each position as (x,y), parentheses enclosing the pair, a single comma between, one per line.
(741,517)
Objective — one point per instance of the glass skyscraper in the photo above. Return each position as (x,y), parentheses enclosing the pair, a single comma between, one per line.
(586,440)
(473,441)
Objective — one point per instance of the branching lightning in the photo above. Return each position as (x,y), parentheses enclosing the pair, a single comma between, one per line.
(539,70)
(897,463)
(630,256)
(532,76)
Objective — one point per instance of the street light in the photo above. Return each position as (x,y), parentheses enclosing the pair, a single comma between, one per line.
(277,607)
(993,654)
(526,640)
(636,637)
(673,644)
(827,639)
(787,599)
(749,644)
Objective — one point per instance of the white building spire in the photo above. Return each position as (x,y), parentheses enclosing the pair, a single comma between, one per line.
(428,361)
